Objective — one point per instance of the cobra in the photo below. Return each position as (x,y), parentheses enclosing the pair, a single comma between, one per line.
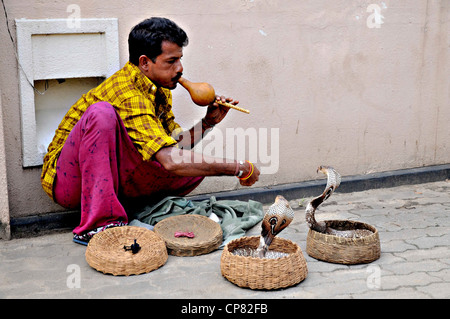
(278,217)
(333,182)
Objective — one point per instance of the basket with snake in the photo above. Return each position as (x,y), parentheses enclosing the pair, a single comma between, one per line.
(266,261)
(339,241)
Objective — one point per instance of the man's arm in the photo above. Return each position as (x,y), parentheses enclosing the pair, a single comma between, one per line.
(187,163)
(182,161)
(214,115)
(188,139)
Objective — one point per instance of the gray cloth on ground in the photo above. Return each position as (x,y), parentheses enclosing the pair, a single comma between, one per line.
(236,217)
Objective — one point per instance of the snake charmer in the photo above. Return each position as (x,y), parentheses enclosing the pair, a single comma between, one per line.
(120,140)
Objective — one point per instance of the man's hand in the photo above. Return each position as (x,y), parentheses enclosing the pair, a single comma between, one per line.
(216,112)
(253,178)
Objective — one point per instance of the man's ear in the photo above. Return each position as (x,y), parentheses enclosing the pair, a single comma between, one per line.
(144,62)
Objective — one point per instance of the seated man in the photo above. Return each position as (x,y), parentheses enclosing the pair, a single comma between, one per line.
(120,140)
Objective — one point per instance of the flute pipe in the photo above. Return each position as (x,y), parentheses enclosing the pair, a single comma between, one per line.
(232,106)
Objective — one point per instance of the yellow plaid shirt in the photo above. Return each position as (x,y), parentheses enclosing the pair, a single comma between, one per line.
(146,112)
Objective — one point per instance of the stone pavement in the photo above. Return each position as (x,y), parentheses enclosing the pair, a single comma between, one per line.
(413,223)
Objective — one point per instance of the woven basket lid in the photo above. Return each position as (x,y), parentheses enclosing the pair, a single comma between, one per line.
(341,250)
(264,273)
(208,234)
(105,251)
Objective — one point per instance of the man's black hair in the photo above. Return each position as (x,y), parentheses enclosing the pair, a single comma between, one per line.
(146,38)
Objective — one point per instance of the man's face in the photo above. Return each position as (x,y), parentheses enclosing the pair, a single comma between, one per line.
(167,68)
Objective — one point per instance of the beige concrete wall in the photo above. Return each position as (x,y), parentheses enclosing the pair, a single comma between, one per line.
(336,88)
(5,230)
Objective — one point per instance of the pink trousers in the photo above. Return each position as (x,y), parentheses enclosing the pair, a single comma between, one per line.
(99,166)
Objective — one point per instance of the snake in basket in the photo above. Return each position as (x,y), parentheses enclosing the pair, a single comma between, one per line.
(333,182)
(278,217)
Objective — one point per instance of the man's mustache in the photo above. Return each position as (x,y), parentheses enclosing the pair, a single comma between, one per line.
(177,78)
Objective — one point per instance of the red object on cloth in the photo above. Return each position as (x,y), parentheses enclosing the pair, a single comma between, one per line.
(184,234)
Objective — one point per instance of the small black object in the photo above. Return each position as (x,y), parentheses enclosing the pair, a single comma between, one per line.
(134,247)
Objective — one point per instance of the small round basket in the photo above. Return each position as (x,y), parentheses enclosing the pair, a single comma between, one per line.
(264,273)
(105,251)
(340,250)
(208,234)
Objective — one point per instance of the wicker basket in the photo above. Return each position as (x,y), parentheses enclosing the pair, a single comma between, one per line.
(208,234)
(262,273)
(105,251)
(341,250)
